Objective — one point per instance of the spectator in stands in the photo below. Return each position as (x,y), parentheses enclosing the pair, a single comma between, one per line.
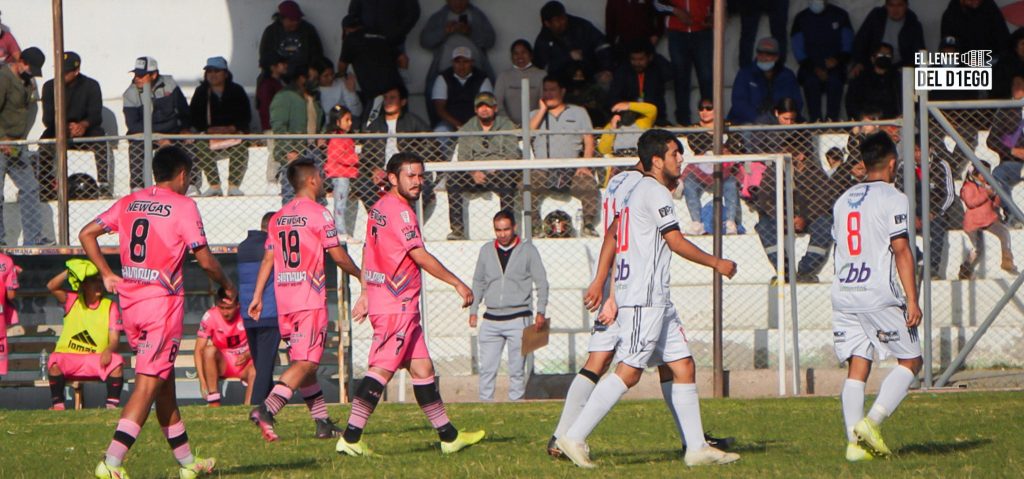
(1010,64)
(8,315)
(295,110)
(627,22)
(860,132)
(878,87)
(170,114)
(221,107)
(337,89)
(822,39)
(473,148)
(690,44)
(750,20)
(507,271)
(508,89)
(952,45)
(17,90)
(392,18)
(583,91)
(982,214)
(267,85)
(759,86)
(342,166)
(374,61)
(455,88)
(87,347)
(554,115)
(943,195)
(290,37)
(976,24)
(565,38)
(392,118)
(9,49)
(894,24)
(1006,139)
(262,333)
(84,113)
(456,24)
(629,121)
(697,177)
(222,350)
(640,80)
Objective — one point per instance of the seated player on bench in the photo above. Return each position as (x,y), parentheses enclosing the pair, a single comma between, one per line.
(222,350)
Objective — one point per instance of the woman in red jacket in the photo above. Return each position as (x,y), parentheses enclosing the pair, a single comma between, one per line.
(981,214)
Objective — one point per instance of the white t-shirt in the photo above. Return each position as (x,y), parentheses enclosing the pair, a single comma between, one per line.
(866,219)
(440,90)
(391,147)
(642,255)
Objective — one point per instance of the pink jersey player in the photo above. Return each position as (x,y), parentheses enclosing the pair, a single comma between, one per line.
(392,279)
(228,336)
(8,315)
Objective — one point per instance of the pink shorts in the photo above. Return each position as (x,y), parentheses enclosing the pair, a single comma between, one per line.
(84,366)
(308,334)
(153,327)
(397,340)
(285,328)
(3,353)
(230,370)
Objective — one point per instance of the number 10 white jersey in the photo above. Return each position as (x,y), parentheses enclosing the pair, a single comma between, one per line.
(865,220)
(642,255)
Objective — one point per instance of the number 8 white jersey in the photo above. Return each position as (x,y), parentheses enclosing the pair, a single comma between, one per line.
(865,220)
(641,253)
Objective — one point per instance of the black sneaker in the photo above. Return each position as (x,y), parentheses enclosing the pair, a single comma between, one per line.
(553,449)
(722,443)
(325,429)
(806,278)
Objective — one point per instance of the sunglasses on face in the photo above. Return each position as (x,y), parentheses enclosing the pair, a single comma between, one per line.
(706,107)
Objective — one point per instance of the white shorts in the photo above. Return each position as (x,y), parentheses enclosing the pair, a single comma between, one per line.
(884,331)
(603,339)
(650,337)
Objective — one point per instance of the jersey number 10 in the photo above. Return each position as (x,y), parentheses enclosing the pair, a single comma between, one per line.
(622,232)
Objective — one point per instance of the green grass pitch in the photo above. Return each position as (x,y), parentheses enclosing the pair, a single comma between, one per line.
(933,435)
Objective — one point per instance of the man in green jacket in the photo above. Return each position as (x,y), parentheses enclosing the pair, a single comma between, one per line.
(295,110)
(491,147)
(16,93)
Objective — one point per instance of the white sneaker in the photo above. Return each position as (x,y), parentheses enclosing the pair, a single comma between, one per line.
(214,191)
(694,228)
(192,191)
(707,456)
(730,228)
(235,191)
(577,451)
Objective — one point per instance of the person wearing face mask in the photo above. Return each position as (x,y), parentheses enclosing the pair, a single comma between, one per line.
(17,90)
(878,86)
(822,39)
(296,110)
(759,86)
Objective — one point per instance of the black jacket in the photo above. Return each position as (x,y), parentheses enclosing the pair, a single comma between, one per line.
(392,18)
(872,31)
(552,53)
(871,89)
(374,150)
(83,101)
(626,87)
(229,109)
(374,61)
(983,28)
(303,44)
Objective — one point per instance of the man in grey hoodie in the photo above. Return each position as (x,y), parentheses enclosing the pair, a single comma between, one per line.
(506,272)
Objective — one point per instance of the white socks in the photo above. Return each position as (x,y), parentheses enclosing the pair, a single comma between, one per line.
(666,393)
(575,399)
(893,390)
(853,406)
(687,406)
(606,394)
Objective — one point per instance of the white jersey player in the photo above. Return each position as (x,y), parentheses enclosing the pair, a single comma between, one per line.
(871,312)
(650,331)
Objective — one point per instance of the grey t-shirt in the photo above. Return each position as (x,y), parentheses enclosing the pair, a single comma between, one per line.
(892,37)
(572,119)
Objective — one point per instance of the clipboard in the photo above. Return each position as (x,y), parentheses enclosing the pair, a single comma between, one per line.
(533,339)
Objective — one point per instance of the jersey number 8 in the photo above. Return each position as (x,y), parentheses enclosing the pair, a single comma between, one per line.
(853,238)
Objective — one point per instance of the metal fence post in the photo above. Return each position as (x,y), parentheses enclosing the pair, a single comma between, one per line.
(907,155)
(60,112)
(147,135)
(926,292)
(524,103)
(790,254)
(780,271)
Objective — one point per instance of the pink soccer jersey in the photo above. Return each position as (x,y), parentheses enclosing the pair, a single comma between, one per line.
(392,278)
(227,336)
(298,235)
(8,282)
(154,226)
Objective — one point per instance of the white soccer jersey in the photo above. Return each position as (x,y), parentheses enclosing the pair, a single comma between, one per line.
(865,220)
(615,195)
(642,255)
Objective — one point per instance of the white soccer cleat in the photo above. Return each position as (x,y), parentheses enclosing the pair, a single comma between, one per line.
(577,451)
(709,456)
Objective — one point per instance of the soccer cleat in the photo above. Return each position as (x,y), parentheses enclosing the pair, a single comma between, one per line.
(855,453)
(200,467)
(265,421)
(352,449)
(325,429)
(869,434)
(577,451)
(708,456)
(106,471)
(553,449)
(723,443)
(462,441)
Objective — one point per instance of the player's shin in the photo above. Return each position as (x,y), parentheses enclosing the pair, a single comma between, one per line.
(666,394)
(313,396)
(891,394)
(279,396)
(687,407)
(367,396)
(853,406)
(57,391)
(177,438)
(579,392)
(429,399)
(124,438)
(114,387)
(606,394)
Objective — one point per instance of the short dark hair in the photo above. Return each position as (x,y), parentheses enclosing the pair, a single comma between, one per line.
(870,110)
(884,45)
(299,170)
(875,150)
(170,160)
(558,79)
(403,92)
(265,221)
(505,214)
(400,159)
(322,64)
(551,10)
(654,142)
(787,105)
(525,44)
(222,294)
(296,69)
(640,46)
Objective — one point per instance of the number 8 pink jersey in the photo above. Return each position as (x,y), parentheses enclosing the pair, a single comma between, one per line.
(298,235)
(154,226)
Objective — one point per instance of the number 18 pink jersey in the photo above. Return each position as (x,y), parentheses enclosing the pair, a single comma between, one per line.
(298,235)
(154,227)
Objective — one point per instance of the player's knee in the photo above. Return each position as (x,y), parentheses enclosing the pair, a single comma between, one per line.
(54,370)
(209,353)
(117,372)
(913,364)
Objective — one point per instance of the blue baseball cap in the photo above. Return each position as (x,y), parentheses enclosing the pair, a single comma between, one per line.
(216,63)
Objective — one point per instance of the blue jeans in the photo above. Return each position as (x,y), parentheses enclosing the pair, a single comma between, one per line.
(832,87)
(693,189)
(750,21)
(820,230)
(690,50)
(341,190)
(1007,173)
(22,170)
